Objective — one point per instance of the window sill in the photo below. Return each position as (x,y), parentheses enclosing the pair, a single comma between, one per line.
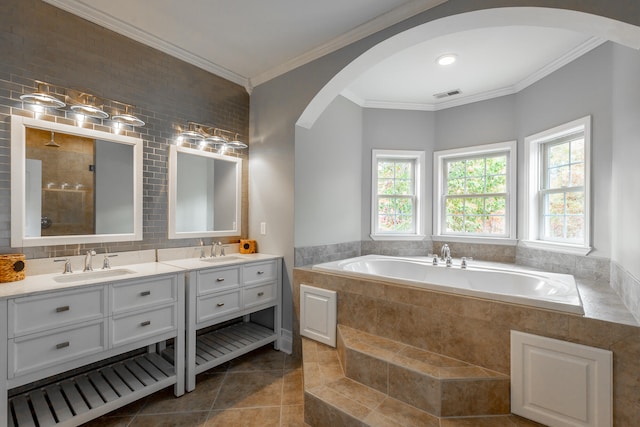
(505,241)
(397,236)
(556,247)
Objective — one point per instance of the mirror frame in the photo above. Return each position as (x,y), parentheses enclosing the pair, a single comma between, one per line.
(173,188)
(19,125)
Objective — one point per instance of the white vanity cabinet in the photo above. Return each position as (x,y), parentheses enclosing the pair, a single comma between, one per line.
(231,292)
(54,344)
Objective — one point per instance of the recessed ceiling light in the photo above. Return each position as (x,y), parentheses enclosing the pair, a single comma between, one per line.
(447,59)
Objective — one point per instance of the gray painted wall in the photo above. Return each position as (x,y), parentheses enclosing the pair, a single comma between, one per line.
(625,187)
(580,88)
(401,130)
(277,104)
(328,175)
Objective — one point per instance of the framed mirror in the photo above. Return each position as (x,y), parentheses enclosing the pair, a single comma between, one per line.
(204,194)
(73,185)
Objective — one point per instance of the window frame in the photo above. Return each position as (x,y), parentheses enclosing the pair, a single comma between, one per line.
(533,179)
(440,158)
(419,194)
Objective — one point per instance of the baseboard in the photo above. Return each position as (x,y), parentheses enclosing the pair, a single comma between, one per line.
(286,341)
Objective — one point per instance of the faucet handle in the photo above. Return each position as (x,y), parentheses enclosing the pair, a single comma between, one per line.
(464,261)
(67,264)
(106,264)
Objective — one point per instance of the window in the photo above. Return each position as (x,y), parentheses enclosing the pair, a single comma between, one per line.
(476,192)
(397,194)
(557,187)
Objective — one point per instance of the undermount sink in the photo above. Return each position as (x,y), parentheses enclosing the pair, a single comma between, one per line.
(220,259)
(91,275)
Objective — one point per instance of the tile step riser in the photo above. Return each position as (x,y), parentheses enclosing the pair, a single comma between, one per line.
(437,396)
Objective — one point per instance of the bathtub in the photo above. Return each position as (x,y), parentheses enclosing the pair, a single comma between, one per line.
(532,288)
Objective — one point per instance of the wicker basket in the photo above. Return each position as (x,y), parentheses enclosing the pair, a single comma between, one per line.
(12,267)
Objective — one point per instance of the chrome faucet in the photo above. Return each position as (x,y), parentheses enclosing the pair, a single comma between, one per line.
(445,252)
(88,258)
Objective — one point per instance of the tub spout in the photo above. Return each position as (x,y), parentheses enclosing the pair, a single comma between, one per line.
(445,252)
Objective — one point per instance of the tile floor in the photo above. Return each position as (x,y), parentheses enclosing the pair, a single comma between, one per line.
(263,388)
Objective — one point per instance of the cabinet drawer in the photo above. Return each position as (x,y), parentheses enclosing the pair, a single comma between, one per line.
(126,328)
(257,295)
(143,293)
(39,351)
(262,272)
(51,310)
(211,306)
(218,280)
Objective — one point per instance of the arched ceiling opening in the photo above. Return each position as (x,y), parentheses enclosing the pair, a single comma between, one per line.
(595,28)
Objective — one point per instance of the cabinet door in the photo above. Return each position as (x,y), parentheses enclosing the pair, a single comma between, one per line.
(218,279)
(38,351)
(51,310)
(217,305)
(143,293)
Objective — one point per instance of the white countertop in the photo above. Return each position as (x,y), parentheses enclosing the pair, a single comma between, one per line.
(46,282)
(221,261)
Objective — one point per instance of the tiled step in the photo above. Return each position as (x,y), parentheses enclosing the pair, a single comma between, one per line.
(437,384)
(373,381)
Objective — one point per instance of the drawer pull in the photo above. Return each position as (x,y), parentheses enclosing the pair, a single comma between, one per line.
(260,294)
(62,345)
(220,279)
(260,272)
(220,304)
(145,293)
(145,323)
(61,309)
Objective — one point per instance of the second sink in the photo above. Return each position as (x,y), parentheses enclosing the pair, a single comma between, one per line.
(91,275)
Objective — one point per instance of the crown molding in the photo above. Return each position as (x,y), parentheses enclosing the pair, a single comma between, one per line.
(107,21)
(573,54)
(543,72)
(379,23)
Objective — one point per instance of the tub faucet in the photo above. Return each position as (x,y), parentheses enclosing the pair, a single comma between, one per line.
(445,252)
(88,258)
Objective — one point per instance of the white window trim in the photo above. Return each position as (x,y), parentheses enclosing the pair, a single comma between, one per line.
(531,210)
(439,157)
(419,157)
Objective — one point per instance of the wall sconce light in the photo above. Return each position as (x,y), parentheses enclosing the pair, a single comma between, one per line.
(87,105)
(192,132)
(209,135)
(126,118)
(81,103)
(42,97)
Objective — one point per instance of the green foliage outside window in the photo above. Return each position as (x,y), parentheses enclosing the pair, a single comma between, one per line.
(475,195)
(396,196)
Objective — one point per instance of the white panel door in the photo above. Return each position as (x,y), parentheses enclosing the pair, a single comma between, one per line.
(318,314)
(561,384)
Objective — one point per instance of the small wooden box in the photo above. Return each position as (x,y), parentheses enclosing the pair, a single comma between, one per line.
(247,246)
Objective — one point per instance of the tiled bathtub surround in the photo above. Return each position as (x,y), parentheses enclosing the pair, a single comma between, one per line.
(474,330)
(310,255)
(587,267)
(628,287)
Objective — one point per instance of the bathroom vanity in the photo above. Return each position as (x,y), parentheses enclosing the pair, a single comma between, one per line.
(224,289)
(105,331)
